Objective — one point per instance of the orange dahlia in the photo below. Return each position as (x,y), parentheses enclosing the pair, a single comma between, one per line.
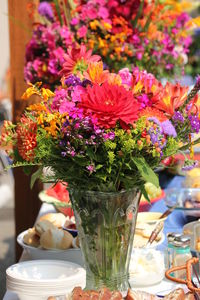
(110,103)
(26,138)
(150,112)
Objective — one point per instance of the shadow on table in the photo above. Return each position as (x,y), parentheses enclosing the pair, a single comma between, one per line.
(5,262)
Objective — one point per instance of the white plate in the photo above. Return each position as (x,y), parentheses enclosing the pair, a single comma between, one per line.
(40,279)
(72,255)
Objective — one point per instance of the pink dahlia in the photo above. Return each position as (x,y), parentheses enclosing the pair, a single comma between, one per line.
(77,60)
(109,104)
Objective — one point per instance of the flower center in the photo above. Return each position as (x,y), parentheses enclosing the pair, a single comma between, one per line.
(80,66)
(109,102)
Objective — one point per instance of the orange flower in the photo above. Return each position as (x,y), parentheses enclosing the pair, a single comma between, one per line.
(171,98)
(26,138)
(153,112)
(95,73)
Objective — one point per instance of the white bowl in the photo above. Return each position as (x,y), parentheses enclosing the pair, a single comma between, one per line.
(147,267)
(73,255)
(40,279)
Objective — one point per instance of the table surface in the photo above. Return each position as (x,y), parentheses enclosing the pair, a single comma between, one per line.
(174,223)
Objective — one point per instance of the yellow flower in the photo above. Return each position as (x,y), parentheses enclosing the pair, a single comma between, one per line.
(46,93)
(94,24)
(114,79)
(195,22)
(106,25)
(95,73)
(39,107)
(44,67)
(101,43)
(138,87)
(33,89)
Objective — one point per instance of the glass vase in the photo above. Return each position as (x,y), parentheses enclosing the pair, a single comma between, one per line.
(106,226)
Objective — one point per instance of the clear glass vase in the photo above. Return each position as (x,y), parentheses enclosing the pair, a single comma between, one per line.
(106,226)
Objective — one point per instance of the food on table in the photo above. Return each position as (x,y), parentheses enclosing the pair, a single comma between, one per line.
(147,267)
(31,238)
(198,244)
(57,219)
(177,294)
(193,202)
(56,239)
(70,223)
(192,179)
(189,296)
(137,295)
(47,236)
(42,226)
(75,242)
(60,192)
(152,191)
(146,223)
(106,294)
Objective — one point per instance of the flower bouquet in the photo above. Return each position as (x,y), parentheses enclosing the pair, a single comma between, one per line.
(154,35)
(103,133)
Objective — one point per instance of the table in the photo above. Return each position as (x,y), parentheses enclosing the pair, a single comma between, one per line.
(174,223)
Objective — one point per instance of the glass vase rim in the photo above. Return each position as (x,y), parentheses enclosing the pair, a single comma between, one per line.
(106,192)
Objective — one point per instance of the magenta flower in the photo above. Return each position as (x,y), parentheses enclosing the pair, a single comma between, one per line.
(126,77)
(82,31)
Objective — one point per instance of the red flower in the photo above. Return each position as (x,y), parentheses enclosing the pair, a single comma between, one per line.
(77,60)
(109,104)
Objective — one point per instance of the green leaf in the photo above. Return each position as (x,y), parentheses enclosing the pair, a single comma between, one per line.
(58,11)
(99,166)
(145,171)
(35,176)
(144,192)
(134,22)
(27,169)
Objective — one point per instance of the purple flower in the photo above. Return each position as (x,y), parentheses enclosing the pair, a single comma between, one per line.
(194,123)
(46,11)
(189,165)
(73,80)
(155,120)
(168,128)
(91,168)
(63,153)
(197,80)
(178,117)
(109,136)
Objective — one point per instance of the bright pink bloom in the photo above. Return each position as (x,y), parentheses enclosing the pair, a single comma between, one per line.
(82,31)
(77,60)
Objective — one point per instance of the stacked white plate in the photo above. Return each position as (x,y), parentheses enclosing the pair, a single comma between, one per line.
(40,279)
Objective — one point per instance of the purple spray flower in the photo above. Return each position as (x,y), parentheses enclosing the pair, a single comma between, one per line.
(168,128)
(178,117)
(194,123)
(46,11)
